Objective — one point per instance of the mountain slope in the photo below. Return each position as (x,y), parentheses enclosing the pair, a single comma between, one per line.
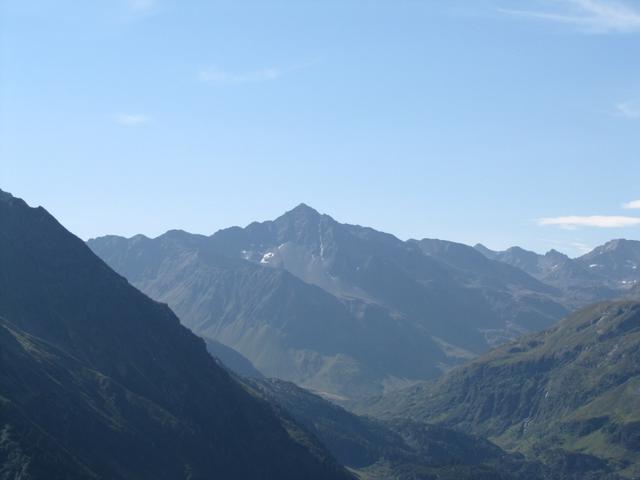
(354,261)
(99,381)
(286,327)
(232,360)
(573,389)
(338,308)
(400,449)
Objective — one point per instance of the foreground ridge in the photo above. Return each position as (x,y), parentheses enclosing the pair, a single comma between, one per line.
(99,381)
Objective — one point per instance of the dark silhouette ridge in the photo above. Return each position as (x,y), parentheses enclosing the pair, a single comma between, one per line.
(99,381)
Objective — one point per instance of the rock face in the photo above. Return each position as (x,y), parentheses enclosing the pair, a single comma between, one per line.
(97,381)
(569,395)
(337,308)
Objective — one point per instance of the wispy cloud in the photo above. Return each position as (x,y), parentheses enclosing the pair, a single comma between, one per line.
(599,221)
(131,119)
(630,110)
(216,76)
(220,77)
(635,204)
(589,16)
(139,6)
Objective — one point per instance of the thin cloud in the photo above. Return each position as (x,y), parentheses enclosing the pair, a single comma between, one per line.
(589,16)
(599,221)
(633,205)
(131,119)
(216,76)
(139,6)
(630,110)
(220,77)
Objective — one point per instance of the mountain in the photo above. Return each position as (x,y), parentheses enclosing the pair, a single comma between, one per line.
(97,381)
(400,449)
(606,272)
(341,309)
(286,327)
(570,392)
(618,261)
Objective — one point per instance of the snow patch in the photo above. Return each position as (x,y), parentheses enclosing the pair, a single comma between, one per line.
(267,257)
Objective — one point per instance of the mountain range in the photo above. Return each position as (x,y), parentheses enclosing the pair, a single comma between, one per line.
(351,312)
(97,381)
(608,271)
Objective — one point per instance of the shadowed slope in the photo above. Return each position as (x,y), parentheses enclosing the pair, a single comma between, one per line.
(99,381)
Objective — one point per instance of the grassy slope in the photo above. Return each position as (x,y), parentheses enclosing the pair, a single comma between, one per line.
(575,387)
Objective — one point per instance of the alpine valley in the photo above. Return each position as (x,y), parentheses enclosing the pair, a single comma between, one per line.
(319,350)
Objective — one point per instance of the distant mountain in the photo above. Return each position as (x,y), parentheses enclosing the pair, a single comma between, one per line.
(97,381)
(607,272)
(400,449)
(340,309)
(488,272)
(553,268)
(571,392)
(617,261)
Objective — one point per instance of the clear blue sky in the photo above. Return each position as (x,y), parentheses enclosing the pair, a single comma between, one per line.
(474,121)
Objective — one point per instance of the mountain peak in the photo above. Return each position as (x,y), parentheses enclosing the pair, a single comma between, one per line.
(555,254)
(619,246)
(617,243)
(303,214)
(303,210)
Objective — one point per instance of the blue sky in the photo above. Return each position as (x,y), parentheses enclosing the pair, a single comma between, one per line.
(496,121)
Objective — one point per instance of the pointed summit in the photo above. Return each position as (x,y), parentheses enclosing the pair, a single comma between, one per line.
(303,210)
(300,218)
(555,255)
